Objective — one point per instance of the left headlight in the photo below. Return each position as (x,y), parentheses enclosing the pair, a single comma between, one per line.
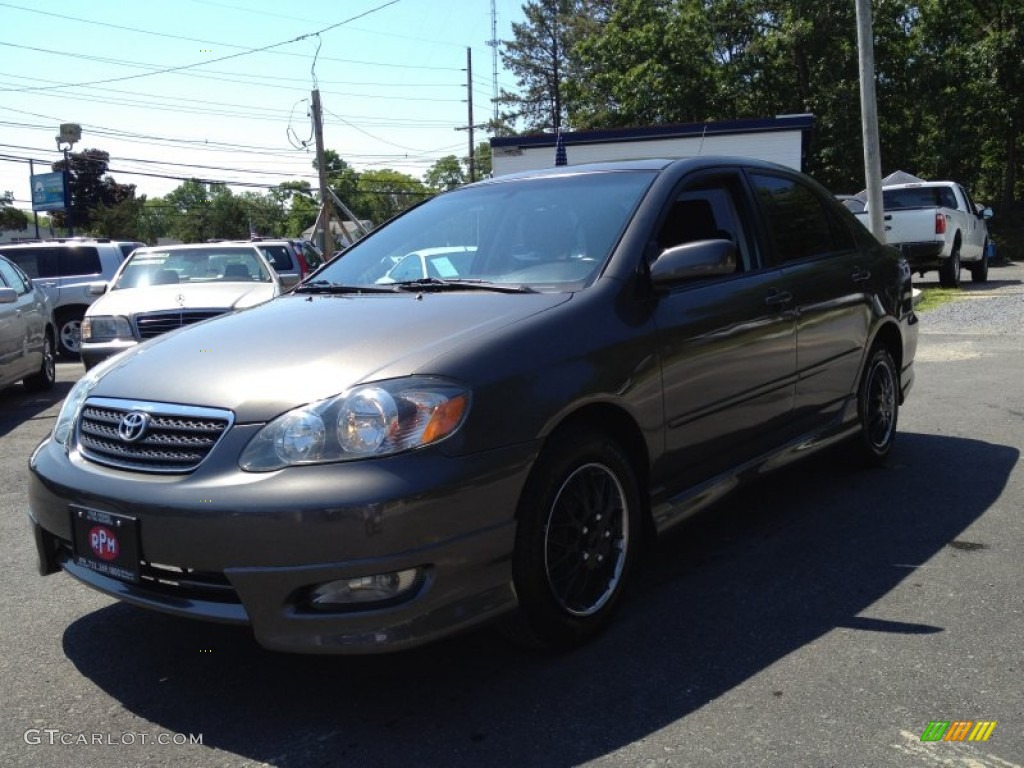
(376,419)
(106,328)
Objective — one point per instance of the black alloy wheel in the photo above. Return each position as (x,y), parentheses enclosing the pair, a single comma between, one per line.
(578,530)
(878,406)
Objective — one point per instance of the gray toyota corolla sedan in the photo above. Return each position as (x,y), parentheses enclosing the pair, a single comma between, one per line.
(365,466)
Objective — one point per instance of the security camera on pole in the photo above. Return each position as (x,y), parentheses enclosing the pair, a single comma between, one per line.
(69,134)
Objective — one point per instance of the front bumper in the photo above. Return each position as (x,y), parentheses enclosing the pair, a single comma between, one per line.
(94,353)
(248,547)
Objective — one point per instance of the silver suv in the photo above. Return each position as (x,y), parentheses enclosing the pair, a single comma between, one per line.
(63,269)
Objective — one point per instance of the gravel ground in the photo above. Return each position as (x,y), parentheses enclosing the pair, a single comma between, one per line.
(994,307)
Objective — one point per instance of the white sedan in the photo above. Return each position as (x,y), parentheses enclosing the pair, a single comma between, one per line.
(159,289)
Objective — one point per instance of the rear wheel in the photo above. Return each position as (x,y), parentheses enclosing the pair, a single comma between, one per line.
(878,407)
(578,531)
(979,269)
(949,270)
(45,377)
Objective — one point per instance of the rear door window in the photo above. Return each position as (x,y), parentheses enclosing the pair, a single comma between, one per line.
(800,225)
(80,260)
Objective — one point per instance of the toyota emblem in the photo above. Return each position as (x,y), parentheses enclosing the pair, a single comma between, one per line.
(133,426)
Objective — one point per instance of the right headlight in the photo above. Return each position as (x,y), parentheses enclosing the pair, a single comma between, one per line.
(377,419)
(73,404)
(106,328)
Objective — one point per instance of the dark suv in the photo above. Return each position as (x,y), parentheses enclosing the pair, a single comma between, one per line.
(63,269)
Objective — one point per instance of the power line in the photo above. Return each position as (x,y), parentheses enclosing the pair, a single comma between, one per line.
(245,52)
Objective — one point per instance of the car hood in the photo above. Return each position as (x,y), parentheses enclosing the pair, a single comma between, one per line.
(154,298)
(299,349)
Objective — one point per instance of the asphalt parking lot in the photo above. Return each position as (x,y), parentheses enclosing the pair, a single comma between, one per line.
(823,617)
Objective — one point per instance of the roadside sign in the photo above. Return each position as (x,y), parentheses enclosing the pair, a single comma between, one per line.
(48,192)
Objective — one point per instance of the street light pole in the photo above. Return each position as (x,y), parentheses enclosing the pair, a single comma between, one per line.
(69,134)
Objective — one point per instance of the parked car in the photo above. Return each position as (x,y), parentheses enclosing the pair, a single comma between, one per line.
(293,260)
(64,269)
(631,341)
(27,333)
(937,226)
(159,289)
(444,263)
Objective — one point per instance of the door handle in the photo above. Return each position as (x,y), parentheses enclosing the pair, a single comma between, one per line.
(778,298)
(860,275)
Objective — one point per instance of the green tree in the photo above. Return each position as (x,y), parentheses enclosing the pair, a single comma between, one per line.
(120,221)
(155,220)
(482,161)
(11,217)
(385,193)
(302,208)
(651,64)
(445,174)
(90,187)
(541,55)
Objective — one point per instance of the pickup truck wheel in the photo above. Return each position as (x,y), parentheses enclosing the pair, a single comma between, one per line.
(979,269)
(878,407)
(949,270)
(577,533)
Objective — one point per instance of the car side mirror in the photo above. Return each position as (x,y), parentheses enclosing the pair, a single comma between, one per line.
(288,281)
(986,213)
(96,289)
(8,295)
(703,258)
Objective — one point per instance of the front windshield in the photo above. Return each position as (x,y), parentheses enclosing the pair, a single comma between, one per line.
(552,233)
(156,266)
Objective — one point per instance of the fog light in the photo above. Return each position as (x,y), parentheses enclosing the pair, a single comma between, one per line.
(381,587)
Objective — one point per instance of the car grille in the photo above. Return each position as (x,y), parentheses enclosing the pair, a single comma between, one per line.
(153,324)
(172,438)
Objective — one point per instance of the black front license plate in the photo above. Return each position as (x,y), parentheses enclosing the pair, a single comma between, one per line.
(106,543)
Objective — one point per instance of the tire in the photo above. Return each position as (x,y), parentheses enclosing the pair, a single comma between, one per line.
(878,407)
(576,540)
(44,379)
(979,269)
(949,270)
(69,335)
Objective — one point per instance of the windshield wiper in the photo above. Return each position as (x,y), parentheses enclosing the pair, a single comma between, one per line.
(437,284)
(326,286)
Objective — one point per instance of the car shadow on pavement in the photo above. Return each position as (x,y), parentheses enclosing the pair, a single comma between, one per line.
(18,405)
(769,570)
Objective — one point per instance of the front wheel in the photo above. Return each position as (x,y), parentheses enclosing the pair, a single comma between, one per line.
(577,535)
(878,407)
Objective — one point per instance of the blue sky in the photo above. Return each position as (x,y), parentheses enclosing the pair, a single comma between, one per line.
(391,75)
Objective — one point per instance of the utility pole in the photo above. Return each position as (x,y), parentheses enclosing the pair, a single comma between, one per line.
(470,126)
(869,119)
(326,236)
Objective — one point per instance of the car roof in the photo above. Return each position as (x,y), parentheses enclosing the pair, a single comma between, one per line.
(645,164)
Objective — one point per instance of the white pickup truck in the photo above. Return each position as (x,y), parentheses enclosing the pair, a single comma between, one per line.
(937,226)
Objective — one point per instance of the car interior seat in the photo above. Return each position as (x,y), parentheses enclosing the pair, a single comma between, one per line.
(236,271)
(165,277)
